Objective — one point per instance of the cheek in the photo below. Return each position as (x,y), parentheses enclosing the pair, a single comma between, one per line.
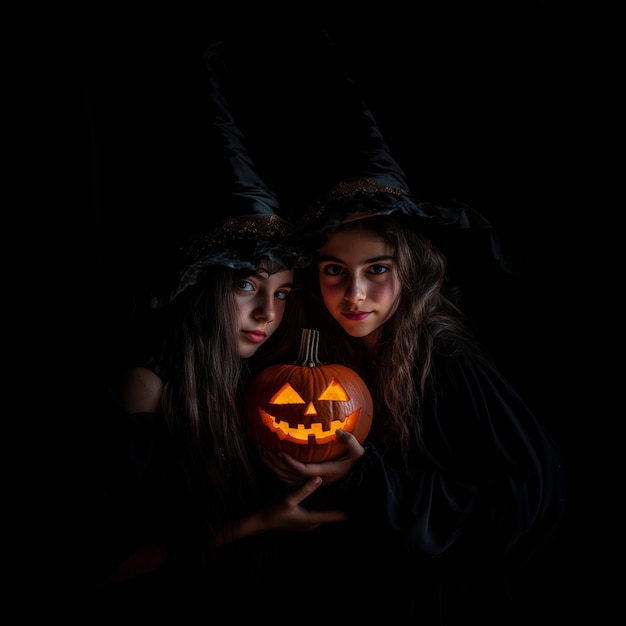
(241,314)
(331,293)
(387,295)
(279,313)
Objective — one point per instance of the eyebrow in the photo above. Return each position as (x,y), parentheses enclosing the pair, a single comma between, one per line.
(264,274)
(375,259)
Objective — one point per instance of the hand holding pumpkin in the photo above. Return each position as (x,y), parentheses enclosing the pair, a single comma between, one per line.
(294,473)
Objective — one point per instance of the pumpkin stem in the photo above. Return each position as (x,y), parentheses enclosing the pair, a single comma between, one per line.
(309,348)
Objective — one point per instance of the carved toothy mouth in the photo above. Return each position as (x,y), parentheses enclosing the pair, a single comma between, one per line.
(303,435)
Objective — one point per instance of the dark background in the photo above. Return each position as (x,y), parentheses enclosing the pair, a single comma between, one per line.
(515,109)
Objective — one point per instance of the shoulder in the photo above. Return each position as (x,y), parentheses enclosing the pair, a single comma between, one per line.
(460,362)
(141,391)
(462,349)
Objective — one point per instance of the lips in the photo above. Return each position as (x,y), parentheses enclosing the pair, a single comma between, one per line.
(256,336)
(355,316)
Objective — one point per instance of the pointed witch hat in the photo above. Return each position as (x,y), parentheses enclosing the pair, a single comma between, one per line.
(375,184)
(246,224)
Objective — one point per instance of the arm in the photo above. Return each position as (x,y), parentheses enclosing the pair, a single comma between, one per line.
(141,391)
(136,443)
(484,478)
(285,514)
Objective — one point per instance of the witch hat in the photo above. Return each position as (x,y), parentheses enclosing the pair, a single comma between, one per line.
(246,225)
(375,184)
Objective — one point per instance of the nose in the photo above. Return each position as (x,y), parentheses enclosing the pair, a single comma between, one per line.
(265,309)
(354,291)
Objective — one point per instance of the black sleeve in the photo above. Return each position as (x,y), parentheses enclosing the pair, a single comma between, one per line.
(483,476)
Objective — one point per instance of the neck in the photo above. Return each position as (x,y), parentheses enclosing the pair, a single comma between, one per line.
(370,342)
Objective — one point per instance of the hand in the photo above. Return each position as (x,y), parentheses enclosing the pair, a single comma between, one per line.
(294,473)
(288,514)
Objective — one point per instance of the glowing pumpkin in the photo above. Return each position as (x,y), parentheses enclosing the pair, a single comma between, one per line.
(298,407)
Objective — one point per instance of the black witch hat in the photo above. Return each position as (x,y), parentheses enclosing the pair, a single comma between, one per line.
(246,224)
(375,184)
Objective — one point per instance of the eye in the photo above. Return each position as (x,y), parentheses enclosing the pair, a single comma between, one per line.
(244,285)
(378,268)
(282,294)
(332,269)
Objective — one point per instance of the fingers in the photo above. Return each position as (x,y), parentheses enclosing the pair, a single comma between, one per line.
(294,464)
(297,496)
(282,469)
(323,517)
(294,473)
(302,492)
(355,449)
(314,518)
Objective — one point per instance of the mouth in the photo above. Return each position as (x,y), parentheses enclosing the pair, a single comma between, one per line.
(356,316)
(256,336)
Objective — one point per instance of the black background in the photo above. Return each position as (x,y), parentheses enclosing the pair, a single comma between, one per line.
(514,108)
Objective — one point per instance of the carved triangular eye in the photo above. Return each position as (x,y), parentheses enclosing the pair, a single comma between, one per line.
(286,395)
(334,391)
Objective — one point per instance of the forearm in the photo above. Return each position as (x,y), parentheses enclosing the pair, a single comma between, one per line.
(144,560)
(246,526)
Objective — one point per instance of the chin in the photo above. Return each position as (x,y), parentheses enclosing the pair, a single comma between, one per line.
(245,352)
(355,332)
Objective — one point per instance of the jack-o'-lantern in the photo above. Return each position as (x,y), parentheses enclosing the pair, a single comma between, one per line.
(298,407)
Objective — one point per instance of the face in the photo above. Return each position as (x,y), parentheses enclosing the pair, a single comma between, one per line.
(260,301)
(358,281)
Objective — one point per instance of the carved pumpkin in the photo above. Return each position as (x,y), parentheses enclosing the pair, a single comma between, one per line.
(298,407)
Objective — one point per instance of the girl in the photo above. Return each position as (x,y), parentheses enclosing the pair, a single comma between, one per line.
(458,484)
(184,496)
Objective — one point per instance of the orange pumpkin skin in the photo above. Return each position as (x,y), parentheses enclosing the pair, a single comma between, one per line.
(297,408)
